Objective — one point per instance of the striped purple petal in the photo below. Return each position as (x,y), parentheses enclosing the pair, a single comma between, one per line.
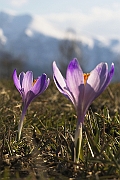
(16,80)
(60,83)
(97,82)
(75,81)
(27,81)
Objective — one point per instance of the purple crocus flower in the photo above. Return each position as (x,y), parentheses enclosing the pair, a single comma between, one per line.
(82,89)
(29,90)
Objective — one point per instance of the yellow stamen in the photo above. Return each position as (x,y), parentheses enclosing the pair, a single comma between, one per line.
(86,75)
(35,80)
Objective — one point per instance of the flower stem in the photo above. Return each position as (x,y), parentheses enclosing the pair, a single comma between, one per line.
(78,141)
(21,123)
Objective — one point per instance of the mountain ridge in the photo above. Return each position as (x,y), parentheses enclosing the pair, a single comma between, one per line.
(37,41)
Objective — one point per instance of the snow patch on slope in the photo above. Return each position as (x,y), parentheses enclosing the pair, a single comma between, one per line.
(3,39)
(39,24)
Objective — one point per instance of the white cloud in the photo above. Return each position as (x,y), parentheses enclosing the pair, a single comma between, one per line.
(98,20)
(105,14)
(18,3)
(69,20)
(116,5)
(10,11)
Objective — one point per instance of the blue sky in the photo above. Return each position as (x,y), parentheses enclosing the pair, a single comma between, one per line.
(91,17)
(55,6)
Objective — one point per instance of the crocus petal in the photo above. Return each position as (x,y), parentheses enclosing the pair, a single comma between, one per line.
(38,88)
(29,98)
(27,81)
(60,83)
(21,77)
(109,77)
(16,80)
(41,84)
(96,83)
(75,81)
(44,83)
(58,78)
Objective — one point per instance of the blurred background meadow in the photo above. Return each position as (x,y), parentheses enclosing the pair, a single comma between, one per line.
(33,34)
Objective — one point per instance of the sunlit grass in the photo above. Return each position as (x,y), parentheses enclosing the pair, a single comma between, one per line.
(46,148)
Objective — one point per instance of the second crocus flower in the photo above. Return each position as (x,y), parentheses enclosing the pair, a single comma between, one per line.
(82,89)
(29,90)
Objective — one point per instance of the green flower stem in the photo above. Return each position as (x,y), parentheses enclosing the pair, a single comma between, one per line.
(78,141)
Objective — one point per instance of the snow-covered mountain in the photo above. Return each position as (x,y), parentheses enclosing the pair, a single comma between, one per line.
(37,42)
